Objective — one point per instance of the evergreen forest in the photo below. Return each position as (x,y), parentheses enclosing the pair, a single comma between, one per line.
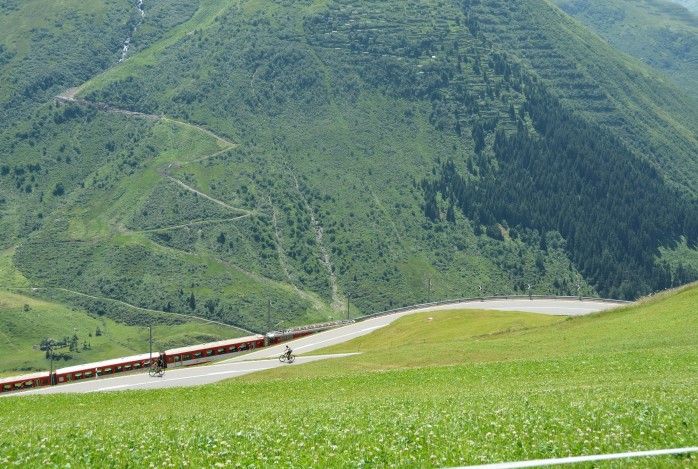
(268,164)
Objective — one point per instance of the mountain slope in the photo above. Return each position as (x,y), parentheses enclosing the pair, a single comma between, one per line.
(691,5)
(26,321)
(48,47)
(661,34)
(325,156)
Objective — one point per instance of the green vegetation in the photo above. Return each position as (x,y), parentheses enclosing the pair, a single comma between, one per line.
(659,33)
(47,47)
(306,153)
(26,321)
(509,387)
(691,5)
(319,154)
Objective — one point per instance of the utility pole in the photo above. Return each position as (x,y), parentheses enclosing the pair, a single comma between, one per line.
(150,333)
(348,315)
(429,292)
(50,350)
(50,345)
(269,316)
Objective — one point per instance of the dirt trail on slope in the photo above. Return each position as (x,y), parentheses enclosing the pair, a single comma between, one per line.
(101,298)
(166,170)
(206,196)
(69,96)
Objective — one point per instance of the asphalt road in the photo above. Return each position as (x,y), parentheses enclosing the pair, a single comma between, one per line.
(267,358)
(556,307)
(190,376)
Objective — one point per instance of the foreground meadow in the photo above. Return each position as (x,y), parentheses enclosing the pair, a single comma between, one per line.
(636,392)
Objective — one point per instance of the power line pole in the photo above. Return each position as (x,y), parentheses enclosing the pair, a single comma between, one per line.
(348,316)
(429,292)
(53,381)
(269,316)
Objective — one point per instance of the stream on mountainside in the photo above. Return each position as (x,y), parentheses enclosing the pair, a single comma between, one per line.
(127,41)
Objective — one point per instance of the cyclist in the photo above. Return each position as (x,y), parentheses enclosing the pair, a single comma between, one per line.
(287,352)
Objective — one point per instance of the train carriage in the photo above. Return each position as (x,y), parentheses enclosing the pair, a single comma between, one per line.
(17,383)
(276,337)
(106,367)
(182,356)
(195,354)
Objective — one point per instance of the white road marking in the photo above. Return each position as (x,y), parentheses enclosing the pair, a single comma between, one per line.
(517,308)
(121,386)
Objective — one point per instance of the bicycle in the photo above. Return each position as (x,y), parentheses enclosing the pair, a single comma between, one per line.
(287,359)
(156,370)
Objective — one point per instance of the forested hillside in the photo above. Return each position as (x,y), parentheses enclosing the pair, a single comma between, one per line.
(277,163)
(662,34)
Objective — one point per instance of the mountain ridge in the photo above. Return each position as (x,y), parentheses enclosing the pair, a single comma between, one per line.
(344,124)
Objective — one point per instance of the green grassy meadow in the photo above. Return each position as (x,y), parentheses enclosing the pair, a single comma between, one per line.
(487,387)
(25,321)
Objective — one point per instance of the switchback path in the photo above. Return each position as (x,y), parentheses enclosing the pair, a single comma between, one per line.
(69,97)
(165,171)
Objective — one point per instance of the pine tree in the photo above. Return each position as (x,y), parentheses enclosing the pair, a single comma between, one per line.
(450,214)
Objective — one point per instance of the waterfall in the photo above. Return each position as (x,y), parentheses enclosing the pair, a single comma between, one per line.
(127,41)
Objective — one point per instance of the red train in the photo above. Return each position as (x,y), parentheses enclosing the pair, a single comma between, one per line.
(178,357)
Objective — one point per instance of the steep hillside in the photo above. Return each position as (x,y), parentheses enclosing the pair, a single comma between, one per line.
(691,5)
(661,34)
(268,163)
(47,47)
(26,322)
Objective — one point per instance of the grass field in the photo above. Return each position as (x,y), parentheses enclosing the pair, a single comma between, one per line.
(512,387)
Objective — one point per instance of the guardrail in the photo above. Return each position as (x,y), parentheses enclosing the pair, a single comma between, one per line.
(332,324)
(311,327)
(489,298)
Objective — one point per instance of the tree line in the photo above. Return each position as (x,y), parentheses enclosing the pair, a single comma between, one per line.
(570,176)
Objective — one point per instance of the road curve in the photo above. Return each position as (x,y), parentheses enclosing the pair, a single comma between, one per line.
(266,358)
(556,307)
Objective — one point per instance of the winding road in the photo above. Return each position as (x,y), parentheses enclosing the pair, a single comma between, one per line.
(266,358)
